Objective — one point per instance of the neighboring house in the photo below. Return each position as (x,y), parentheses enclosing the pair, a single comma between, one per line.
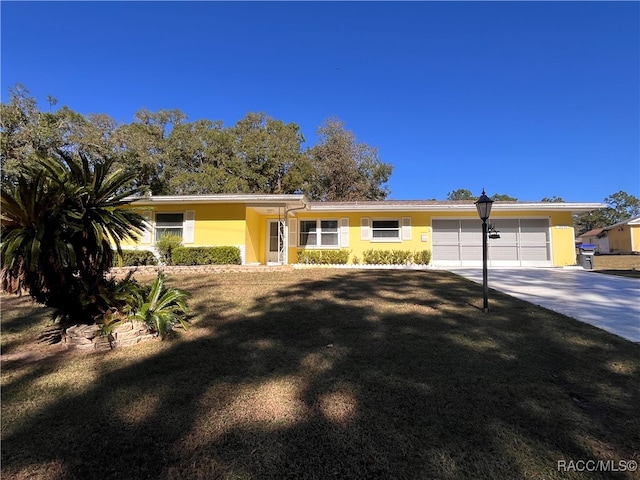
(624,237)
(621,238)
(597,237)
(270,229)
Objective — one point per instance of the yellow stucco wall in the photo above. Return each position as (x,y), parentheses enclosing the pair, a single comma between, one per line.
(624,239)
(358,246)
(561,232)
(255,252)
(215,224)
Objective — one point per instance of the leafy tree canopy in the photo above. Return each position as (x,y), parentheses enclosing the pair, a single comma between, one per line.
(167,154)
(464,194)
(343,168)
(620,207)
(461,194)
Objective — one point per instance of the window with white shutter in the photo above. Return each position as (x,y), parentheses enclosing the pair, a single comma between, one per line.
(293,232)
(344,232)
(189,226)
(406,228)
(365,229)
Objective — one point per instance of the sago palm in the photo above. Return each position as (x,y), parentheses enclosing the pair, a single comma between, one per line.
(59,224)
(163,307)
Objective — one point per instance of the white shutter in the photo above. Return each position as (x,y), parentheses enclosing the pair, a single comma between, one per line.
(189,226)
(146,233)
(365,231)
(293,232)
(344,232)
(406,228)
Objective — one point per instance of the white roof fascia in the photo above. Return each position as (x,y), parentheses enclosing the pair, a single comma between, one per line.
(512,207)
(222,198)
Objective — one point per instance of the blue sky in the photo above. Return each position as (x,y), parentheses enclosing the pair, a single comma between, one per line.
(532,99)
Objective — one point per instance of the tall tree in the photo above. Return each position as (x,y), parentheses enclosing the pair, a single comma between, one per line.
(461,194)
(267,148)
(26,133)
(553,199)
(201,160)
(464,194)
(503,197)
(620,206)
(144,146)
(344,169)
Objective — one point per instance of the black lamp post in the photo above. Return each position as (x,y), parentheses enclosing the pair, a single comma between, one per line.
(483,204)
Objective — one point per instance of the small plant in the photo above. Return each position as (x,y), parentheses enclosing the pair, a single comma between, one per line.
(165,246)
(323,257)
(162,307)
(422,257)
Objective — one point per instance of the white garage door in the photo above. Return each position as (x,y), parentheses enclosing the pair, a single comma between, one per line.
(522,242)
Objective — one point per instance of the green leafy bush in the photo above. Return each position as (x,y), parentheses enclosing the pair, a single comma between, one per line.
(323,257)
(161,308)
(136,258)
(422,257)
(387,257)
(206,256)
(166,245)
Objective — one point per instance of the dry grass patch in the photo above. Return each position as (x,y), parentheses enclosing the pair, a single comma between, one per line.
(327,373)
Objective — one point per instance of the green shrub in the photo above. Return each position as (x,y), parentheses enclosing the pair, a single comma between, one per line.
(323,257)
(160,307)
(166,245)
(422,257)
(206,256)
(136,258)
(387,257)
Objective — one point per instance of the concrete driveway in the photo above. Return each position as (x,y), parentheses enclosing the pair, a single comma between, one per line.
(608,302)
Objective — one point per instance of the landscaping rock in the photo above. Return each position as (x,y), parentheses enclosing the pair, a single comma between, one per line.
(90,337)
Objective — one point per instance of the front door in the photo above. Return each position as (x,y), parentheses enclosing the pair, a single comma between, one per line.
(275,241)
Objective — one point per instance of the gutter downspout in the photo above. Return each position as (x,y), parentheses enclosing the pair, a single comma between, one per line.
(286,228)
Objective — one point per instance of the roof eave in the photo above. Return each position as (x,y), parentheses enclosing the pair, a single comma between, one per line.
(503,207)
(287,199)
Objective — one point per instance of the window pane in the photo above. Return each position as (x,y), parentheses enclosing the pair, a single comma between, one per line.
(385,229)
(307,239)
(169,219)
(307,226)
(386,234)
(329,239)
(167,231)
(329,225)
(386,224)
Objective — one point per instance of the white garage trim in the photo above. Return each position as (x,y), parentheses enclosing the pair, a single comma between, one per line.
(523,242)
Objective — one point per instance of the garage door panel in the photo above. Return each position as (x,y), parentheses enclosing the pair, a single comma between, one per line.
(534,253)
(503,253)
(508,230)
(446,252)
(534,232)
(524,242)
(470,252)
(445,231)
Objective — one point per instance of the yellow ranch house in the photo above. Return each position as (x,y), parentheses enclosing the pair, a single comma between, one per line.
(272,229)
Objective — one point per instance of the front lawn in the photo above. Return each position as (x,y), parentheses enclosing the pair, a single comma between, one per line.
(325,374)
